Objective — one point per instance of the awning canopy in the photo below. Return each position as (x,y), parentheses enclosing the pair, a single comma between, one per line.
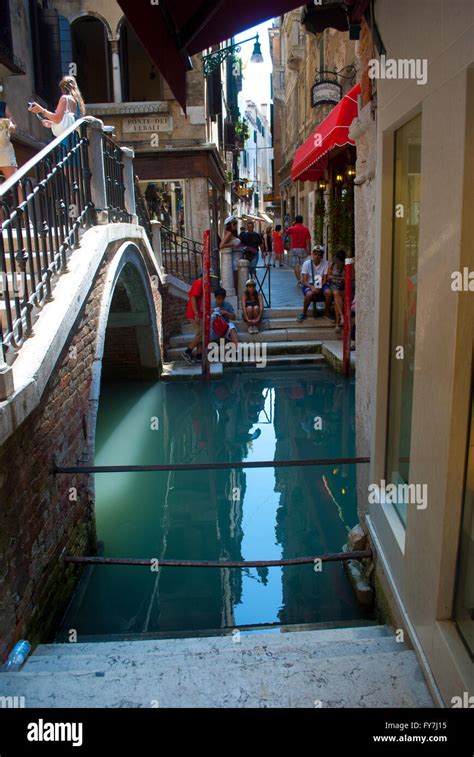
(309,163)
(173,30)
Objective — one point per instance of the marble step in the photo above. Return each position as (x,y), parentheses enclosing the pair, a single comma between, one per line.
(246,671)
(273,348)
(166,650)
(268,335)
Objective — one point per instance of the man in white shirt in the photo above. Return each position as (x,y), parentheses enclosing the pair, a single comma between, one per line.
(314,274)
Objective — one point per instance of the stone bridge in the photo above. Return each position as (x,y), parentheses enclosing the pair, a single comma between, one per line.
(101,318)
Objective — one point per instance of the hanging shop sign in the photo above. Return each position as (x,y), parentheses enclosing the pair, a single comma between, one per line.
(325,92)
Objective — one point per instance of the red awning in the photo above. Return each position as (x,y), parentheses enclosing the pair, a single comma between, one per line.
(308,163)
(173,30)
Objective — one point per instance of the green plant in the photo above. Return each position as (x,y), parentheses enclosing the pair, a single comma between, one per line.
(242,131)
(319,220)
(341,222)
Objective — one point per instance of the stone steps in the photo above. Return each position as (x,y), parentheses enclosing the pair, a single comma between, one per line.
(268,336)
(338,667)
(281,349)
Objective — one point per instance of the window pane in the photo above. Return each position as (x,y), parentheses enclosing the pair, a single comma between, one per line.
(403,302)
(464,606)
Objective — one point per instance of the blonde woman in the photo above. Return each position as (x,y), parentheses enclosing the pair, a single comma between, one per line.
(70,107)
(8,164)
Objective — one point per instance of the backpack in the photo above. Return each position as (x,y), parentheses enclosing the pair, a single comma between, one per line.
(219,325)
(66,121)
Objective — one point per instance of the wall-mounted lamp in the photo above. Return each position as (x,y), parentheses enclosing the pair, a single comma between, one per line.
(339,178)
(214,60)
(322,185)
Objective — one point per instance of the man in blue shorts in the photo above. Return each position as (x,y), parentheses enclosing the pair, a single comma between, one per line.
(314,273)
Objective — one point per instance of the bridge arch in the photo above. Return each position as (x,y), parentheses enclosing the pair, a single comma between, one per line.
(128,340)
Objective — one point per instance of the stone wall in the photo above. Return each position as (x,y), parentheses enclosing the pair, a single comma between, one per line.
(43,515)
(363,131)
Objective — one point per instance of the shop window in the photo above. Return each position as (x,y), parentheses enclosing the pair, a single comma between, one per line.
(91,54)
(464,603)
(141,81)
(165,203)
(403,303)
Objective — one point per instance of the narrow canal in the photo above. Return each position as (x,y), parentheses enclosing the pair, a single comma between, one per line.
(248,514)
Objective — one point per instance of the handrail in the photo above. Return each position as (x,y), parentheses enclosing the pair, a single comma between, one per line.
(43,207)
(359,554)
(237,465)
(7,185)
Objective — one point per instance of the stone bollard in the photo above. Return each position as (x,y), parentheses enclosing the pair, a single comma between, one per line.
(227,276)
(97,168)
(156,244)
(129,182)
(6,379)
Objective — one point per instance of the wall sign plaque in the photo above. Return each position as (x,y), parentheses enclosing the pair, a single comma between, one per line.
(147,124)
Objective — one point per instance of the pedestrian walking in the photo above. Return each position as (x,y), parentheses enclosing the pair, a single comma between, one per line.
(231,241)
(267,246)
(300,246)
(251,242)
(278,245)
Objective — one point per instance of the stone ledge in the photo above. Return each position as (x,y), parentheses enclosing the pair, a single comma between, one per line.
(332,351)
(38,356)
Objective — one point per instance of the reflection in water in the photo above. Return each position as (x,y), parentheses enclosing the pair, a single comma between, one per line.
(226,514)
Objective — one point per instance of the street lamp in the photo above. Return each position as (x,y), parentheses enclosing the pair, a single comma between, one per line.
(214,60)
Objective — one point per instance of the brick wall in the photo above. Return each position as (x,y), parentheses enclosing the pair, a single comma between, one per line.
(41,514)
(174,315)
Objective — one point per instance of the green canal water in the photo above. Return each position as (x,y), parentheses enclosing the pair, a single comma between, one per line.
(244,514)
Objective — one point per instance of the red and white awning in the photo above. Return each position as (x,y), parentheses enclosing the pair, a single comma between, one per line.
(309,163)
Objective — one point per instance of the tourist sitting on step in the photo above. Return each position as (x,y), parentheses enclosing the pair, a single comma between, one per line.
(194,315)
(315,282)
(252,306)
(222,317)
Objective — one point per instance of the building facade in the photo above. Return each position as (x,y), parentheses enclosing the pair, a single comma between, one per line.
(255,166)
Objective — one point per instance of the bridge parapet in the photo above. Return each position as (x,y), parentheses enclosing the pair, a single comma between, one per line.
(81,179)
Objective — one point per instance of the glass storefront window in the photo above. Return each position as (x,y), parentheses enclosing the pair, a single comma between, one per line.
(464,603)
(403,303)
(165,203)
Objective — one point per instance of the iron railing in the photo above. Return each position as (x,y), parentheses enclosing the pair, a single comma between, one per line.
(183,257)
(141,210)
(114,180)
(43,208)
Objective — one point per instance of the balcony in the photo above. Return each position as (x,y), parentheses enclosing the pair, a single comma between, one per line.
(9,63)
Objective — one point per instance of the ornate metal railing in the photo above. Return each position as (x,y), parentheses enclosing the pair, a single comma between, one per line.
(43,207)
(182,257)
(114,180)
(141,210)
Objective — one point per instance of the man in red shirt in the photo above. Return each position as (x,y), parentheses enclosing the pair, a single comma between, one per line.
(300,246)
(194,315)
